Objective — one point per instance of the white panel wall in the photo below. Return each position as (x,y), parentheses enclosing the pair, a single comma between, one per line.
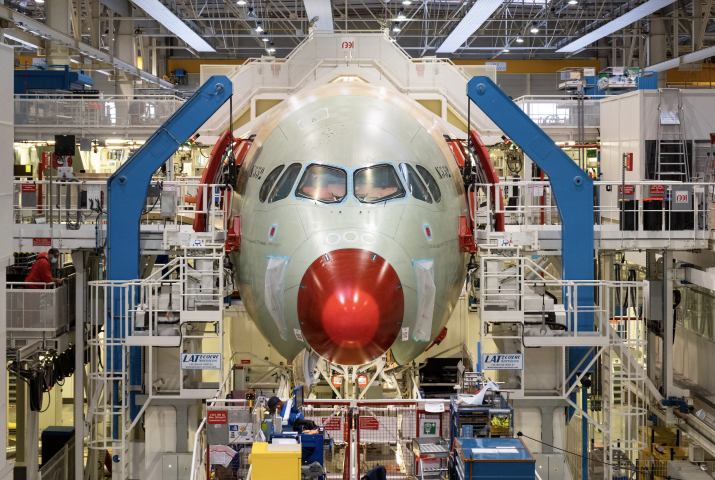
(6,154)
(160,431)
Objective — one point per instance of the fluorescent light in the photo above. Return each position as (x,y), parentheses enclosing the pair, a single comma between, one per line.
(534,29)
(699,55)
(519,40)
(615,24)
(477,15)
(321,9)
(667,65)
(163,15)
(687,58)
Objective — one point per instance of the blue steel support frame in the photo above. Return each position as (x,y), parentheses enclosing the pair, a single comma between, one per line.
(572,188)
(126,194)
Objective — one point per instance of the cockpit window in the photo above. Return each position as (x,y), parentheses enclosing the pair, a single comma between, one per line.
(414,184)
(268,183)
(324,184)
(431,183)
(377,184)
(285,184)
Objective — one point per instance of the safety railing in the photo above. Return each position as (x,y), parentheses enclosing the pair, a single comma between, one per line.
(663,210)
(42,310)
(103,111)
(376,49)
(61,466)
(560,110)
(71,205)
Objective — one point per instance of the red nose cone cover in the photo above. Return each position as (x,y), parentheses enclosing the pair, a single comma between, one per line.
(350,306)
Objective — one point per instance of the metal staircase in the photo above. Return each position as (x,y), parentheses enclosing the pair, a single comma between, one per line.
(671,157)
(162,310)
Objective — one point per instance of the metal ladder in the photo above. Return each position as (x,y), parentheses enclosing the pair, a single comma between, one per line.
(671,162)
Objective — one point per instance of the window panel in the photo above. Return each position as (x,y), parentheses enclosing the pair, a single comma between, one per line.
(414,184)
(431,183)
(377,184)
(285,184)
(268,183)
(324,184)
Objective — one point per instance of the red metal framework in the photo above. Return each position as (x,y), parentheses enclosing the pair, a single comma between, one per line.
(214,170)
(378,432)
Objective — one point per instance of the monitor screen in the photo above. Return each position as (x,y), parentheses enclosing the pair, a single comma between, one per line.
(298,397)
(64,145)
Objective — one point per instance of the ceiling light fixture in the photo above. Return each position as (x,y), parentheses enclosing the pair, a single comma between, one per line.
(534,29)
(401,14)
(477,15)
(506,50)
(321,9)
(174,24)
(396,28)
(573,2)
(241,2)
(259,28)
(406,2)
(265,39)
(615,25)
(519,40)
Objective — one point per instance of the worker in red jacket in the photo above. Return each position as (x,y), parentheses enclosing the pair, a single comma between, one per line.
(41,271)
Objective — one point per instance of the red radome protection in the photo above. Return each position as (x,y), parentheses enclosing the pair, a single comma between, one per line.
(350,306)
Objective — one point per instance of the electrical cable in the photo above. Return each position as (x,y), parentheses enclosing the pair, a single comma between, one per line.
(519,434)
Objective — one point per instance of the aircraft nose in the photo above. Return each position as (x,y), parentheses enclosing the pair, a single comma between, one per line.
(350,306)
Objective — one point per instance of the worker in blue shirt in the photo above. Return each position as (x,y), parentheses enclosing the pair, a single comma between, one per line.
(295,417)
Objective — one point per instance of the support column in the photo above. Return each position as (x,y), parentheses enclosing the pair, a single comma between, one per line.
(124,49)
(676,34)
(32,443)
(79,260)
(656,44)
(697,38)
(667,368)
(57,15)
(547,429)
(584,434)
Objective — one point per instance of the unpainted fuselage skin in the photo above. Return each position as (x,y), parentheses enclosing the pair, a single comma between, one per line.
(349,126)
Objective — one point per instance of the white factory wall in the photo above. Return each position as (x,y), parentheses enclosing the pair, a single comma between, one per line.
(6,138)
(628,120)
(693,357)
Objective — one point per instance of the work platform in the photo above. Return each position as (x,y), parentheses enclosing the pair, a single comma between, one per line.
(653,215)
(531,218)
(76,218)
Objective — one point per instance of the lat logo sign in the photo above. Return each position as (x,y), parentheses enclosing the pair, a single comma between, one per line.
(200,361)
(348,43)
(502,361)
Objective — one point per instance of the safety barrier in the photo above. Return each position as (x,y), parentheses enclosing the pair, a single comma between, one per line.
(367,433)
(560,110)
(81,205)
(61,466)
(43,312)
(108,111)
(651,211)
